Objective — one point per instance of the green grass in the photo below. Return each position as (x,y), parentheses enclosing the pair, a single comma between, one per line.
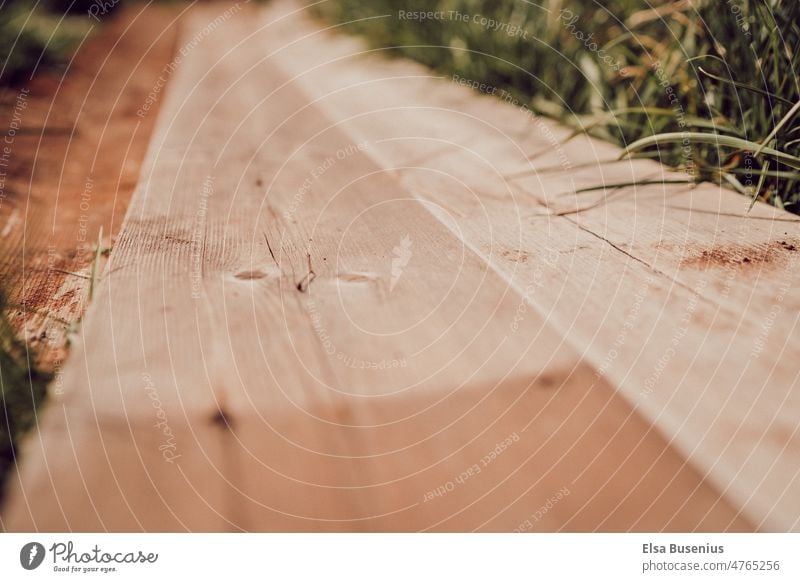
(22,389)
(705,69)
(38,38)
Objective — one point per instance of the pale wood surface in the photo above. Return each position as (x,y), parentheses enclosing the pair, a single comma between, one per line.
(253,278)
(629,265)
(73,166)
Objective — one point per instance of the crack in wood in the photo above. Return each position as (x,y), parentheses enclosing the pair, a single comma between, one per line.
(271,252)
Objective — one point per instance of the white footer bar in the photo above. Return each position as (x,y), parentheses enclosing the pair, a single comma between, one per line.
(401,557)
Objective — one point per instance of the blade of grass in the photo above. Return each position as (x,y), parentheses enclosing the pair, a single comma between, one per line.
(786,119)
(98,251)
(713,139)
(745,86)
(627,184)
(761,181)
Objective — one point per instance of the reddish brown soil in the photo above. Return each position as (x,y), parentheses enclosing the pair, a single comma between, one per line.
(72,167)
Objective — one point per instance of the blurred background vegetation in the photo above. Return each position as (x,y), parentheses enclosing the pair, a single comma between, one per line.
(37,35)
(22,389)
(724,71)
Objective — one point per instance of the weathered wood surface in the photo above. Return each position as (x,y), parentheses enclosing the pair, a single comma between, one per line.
(672,294)
(310,216)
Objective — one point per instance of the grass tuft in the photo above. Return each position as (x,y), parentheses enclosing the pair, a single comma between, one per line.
(22,389)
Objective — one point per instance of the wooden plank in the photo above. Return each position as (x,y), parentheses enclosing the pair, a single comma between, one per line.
(692,343)
(326,348)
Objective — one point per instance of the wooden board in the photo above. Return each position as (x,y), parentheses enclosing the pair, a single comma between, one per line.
(671,293)
(330,309)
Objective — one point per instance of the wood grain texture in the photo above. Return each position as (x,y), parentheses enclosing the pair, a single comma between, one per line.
(330,309)
(673,294)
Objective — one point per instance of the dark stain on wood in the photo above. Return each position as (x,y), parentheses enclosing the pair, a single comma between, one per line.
(250,275)
(222,419)
(547,381)
(770,254)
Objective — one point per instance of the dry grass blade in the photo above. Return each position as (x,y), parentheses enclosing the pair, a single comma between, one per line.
(713,140)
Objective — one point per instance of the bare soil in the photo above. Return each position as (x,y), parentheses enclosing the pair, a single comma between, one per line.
(78,139)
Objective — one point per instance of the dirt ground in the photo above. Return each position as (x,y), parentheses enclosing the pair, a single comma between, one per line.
(73,145)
